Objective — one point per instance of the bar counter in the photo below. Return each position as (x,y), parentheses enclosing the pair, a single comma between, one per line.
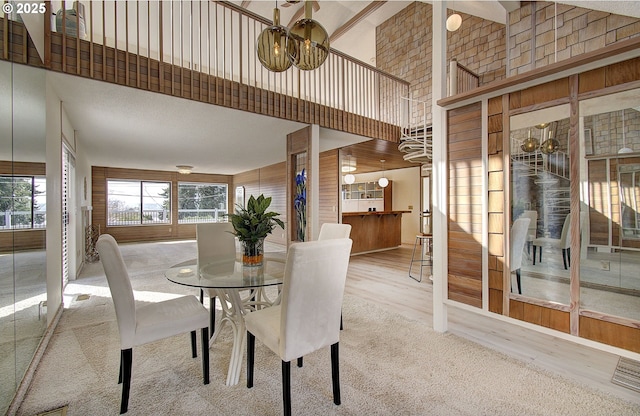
(375,230)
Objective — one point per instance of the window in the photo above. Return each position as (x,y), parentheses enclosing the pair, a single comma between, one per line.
(201,202)
(23,202)
(138,202)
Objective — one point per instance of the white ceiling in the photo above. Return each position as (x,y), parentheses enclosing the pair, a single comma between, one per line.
(126,127)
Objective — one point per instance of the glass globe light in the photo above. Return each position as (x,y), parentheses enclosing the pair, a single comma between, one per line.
(383,182)
(549,146)
(271,46)
(308,46)
(349,178)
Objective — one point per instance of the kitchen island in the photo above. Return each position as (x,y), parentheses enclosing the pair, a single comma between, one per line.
(372,231)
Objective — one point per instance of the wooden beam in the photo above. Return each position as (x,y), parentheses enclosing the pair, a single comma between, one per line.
(245,4)
(300,13)
(370,8)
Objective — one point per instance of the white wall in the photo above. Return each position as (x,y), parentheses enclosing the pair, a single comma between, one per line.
(54,201)
(406,194)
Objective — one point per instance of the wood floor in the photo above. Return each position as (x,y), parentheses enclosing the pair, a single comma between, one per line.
(382,278)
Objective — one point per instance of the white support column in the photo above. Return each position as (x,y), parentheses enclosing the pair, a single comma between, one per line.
(440,173)
(314,159)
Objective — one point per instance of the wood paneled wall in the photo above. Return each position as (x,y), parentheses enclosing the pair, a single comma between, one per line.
(270,181)
(13,240)
(465,204)
(329,192)
(151,232)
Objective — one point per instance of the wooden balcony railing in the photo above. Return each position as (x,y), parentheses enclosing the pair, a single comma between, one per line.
(206,51)
(461,78)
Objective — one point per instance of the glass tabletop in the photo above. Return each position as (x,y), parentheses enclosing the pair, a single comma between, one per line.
(223,275)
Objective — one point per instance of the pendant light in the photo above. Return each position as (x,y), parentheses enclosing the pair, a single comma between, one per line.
(272,45)
(383,181)
(530,144)
(624,148)
(349,178)
(308,42)
(184,169)
(550,145)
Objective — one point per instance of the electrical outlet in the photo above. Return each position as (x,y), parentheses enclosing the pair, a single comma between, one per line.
(605,265)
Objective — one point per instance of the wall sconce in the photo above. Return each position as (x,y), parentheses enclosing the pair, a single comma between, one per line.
(383,182)
(184,169)
(453,22)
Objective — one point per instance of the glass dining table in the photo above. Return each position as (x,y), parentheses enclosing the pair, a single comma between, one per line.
(229,279)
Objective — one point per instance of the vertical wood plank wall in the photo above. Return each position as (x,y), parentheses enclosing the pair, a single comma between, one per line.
(465,204)
(270,181)
(329,207)
(599,203)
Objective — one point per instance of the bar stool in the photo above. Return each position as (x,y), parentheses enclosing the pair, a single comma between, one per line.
(426,259)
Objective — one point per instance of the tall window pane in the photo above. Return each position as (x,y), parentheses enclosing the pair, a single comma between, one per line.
(138,202)
(201,202)
(22,202)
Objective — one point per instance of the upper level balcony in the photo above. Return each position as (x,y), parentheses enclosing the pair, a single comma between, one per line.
(203,51)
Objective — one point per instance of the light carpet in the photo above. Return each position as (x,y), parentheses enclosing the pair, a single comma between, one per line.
(388,365)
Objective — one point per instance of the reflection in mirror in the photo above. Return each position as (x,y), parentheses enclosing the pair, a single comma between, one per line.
(610,171)
(540,192)
(22,222)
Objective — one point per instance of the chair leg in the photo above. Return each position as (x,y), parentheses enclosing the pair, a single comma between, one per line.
(194,350)
(286,387)
(518,281)
(121,364)
(212,314)
(535,249)
(127,359)
(569,256)
(251,344)
(341,327)
(300,361)
(335,373)
(564,258)
(205,355)
(540,259)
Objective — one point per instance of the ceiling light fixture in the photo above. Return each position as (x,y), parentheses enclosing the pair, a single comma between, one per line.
(550,145)
(349,178)
(383,181)
(530,144)
(308,45)
(272,45)
(184,169)
(624,149)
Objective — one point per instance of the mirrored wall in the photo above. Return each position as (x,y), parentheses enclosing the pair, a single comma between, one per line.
(610,178)
(22,222)
(609,194)
(540,181)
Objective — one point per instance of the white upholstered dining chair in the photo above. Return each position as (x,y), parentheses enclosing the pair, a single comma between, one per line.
(307,317)
(216,243)
(330,231)
(140,325)
(563,243)
(519,233)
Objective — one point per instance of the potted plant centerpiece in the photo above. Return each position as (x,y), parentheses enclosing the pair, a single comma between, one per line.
(252,225)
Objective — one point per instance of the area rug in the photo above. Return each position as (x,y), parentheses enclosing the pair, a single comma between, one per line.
(389,365)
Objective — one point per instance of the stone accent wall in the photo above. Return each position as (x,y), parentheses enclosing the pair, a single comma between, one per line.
(405,43)
(533,42)
(606,132)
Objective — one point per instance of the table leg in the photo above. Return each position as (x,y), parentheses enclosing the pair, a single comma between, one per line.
(232,314)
